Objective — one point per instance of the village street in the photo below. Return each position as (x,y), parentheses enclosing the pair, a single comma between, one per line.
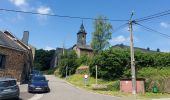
(61,90)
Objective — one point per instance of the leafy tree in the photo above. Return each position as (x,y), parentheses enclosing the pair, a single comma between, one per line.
(111,63)
(69,60)
(83,60)
(102,34)
(43,59)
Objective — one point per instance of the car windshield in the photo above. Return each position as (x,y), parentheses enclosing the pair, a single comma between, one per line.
(38,79)
(7,83)
(36,72)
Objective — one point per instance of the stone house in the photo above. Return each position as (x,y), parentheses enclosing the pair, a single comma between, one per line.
(16,57)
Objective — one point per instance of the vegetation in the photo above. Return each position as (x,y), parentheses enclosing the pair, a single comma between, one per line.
(111,63)
(68,62)
(43,59)
(102,34)
(112,87)
(114,63)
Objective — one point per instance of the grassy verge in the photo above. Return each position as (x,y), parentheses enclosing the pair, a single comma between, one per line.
(78,81)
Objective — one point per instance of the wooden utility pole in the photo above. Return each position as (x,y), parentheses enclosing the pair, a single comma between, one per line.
(66,70)
(96,74)
(132,56)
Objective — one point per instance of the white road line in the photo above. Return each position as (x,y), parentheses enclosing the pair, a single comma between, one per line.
(162,99)
(36,97)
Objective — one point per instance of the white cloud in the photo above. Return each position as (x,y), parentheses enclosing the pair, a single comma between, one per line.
(49,48)
(44,10)
(164,25)
(122,39)
(19,2)
(119,39)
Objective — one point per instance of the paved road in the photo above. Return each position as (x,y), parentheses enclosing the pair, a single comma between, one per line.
(24,95)
(61,90)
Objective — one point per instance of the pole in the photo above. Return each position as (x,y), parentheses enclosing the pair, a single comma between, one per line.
(96,74)
(63,47)
(132,57)
(66,71)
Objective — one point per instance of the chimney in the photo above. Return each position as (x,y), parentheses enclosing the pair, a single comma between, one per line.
(25,37)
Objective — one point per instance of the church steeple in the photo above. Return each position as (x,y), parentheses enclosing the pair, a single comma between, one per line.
(82,28)
(81,36)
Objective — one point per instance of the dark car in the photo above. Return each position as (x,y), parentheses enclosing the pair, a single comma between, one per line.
(38,83)
(33,73)
(9,88)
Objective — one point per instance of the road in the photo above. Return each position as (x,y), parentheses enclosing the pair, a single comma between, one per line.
(61,90)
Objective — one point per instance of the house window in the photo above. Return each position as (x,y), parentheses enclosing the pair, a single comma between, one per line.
(2,61)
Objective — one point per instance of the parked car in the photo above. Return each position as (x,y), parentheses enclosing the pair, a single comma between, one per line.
(34,72)
(38,83)
(9,88)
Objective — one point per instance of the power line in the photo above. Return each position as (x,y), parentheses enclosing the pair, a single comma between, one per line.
(120,27)
(152,30)
(55,15)
(164,13)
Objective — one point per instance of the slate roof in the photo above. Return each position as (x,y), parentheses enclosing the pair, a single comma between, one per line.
(86,47)
(10,41)
(127,47)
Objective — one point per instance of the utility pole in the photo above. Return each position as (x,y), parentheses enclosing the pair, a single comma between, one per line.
(66,70)
(132,56)
(96,74)
(63,47)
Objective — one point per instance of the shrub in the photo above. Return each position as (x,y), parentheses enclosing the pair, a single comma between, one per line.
(111,63)
(82,70)
(68,61)
(158,77)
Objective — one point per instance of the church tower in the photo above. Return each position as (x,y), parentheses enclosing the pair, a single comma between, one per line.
(81,36)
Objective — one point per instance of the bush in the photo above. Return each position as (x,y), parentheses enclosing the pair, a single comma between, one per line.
(158,77)
(82,70)
(68,61)
(111,64)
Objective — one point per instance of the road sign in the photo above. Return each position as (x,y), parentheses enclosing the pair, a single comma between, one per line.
(85,76)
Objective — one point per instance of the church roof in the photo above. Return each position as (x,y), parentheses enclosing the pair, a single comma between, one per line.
(86,47)
(82,29)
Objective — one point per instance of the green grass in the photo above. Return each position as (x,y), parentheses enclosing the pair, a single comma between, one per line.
(78,81)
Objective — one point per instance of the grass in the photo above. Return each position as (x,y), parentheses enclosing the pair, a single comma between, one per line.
(78,81)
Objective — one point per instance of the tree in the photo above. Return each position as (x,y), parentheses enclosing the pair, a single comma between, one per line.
(43,59)
(111,63)
(68,61)
(102,34)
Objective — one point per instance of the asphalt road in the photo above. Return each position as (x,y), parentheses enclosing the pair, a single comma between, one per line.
(24,95)
(61,90)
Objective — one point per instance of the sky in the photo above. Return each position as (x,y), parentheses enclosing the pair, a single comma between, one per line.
(48,32)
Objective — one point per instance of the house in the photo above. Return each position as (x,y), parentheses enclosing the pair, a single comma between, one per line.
(122,46)
(81,47)
(16,57)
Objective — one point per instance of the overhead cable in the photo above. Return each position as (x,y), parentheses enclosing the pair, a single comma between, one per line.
(152,30)
(55,15)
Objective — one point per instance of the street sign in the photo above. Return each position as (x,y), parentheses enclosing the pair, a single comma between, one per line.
(85,76)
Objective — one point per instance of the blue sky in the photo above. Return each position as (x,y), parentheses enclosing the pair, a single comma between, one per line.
(51,32)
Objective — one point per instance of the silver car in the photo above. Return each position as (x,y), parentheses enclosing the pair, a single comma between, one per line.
(9,88)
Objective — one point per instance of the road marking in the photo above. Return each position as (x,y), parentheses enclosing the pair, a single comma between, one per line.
(36,97)
(162,99)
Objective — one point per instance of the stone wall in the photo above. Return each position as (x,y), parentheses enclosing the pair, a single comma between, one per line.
(15,64)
